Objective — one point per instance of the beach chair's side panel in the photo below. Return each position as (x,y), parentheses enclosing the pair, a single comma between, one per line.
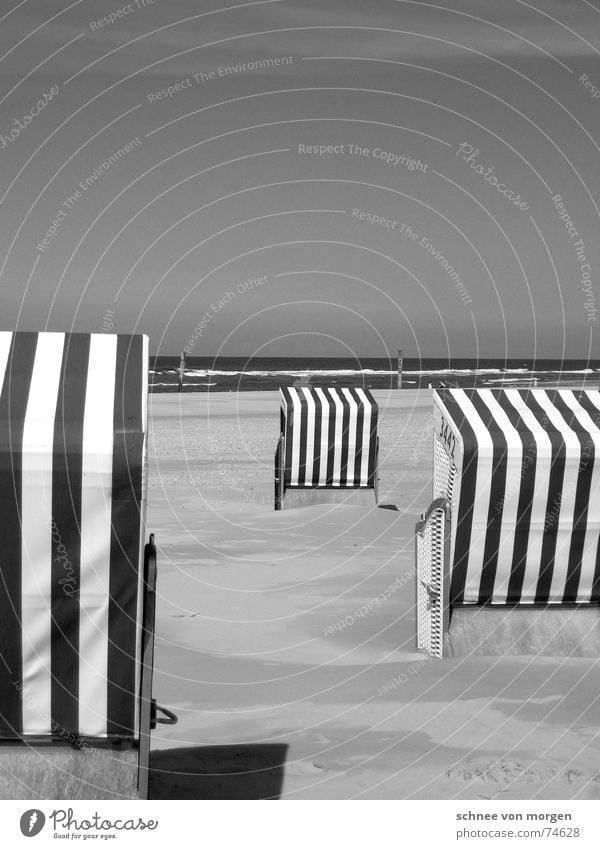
(373,439)
(589,517)
(288,431)
(127,518)
(444,471)
(141,590)
(283,449)
(432,554)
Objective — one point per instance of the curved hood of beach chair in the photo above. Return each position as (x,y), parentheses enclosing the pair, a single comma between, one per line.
(330,437)
(521,470)
(73,413)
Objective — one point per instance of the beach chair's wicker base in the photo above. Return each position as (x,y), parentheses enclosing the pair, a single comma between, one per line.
(303,497)
(547,631)
(62,772)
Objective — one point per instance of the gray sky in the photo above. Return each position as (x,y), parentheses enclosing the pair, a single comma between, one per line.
(458,122)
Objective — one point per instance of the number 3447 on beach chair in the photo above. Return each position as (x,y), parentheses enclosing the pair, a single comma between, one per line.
(77,584)
(508,555)
(328,447)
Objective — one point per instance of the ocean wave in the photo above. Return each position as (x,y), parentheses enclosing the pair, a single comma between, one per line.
(460,371)
(154,383)
(308,373)
(568,371)
(504,371)
(285,372)
(508,380)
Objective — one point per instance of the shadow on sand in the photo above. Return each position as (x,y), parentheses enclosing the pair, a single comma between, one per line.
(251,771)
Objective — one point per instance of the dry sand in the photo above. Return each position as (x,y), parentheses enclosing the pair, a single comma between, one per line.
(286,641)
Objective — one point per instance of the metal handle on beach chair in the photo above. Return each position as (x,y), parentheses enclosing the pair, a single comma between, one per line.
(169,717)
(278,476)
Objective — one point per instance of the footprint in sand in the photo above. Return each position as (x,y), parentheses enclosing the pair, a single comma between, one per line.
(507,772)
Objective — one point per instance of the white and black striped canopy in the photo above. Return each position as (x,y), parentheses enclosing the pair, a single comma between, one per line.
(526,494)
(73,411)
(330,437)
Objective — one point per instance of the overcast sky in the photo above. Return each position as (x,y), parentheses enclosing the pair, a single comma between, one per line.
(249,177)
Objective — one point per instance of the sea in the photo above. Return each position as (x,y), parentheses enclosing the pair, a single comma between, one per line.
(242,374)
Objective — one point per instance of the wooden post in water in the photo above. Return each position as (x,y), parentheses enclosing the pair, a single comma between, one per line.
(181,371)
(400,357)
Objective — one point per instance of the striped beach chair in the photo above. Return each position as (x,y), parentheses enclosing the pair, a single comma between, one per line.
(77,591)
(515,520)
(328,446)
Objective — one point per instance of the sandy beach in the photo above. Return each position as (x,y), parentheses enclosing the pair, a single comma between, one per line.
(285,642)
